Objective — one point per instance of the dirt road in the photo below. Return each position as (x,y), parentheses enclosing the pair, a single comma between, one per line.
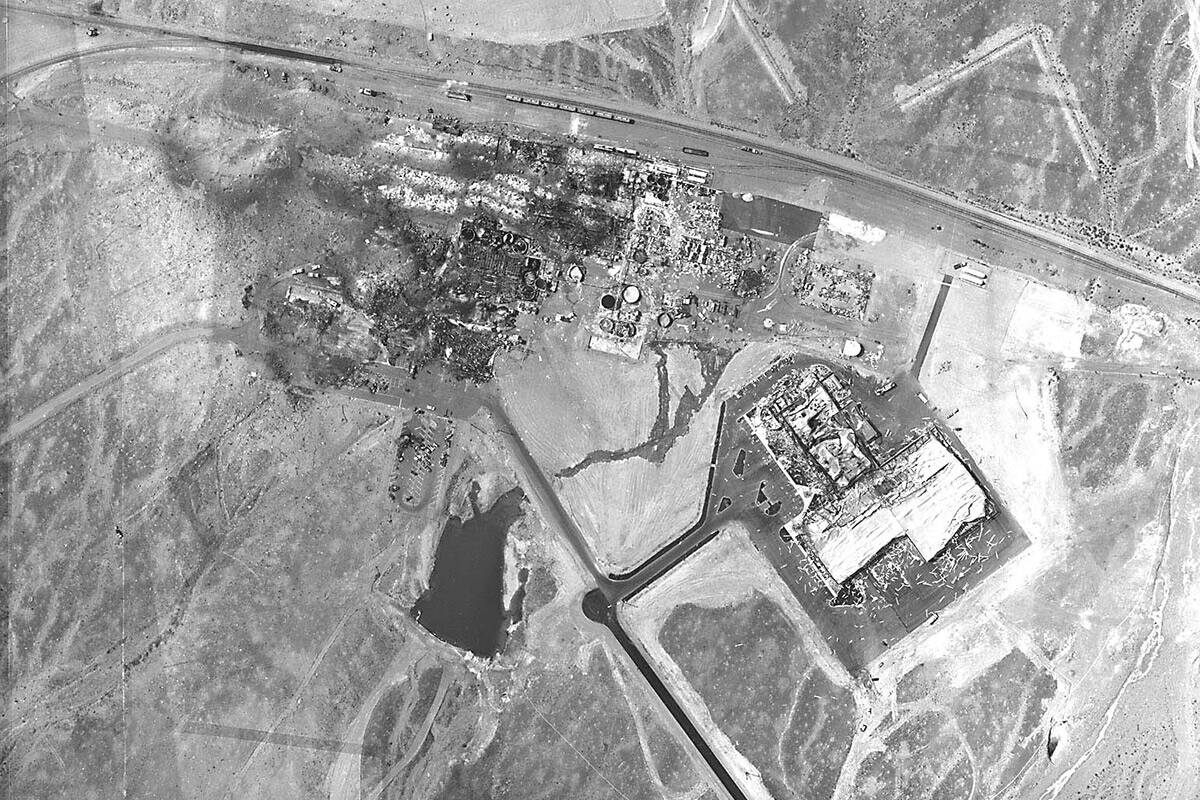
(147,352)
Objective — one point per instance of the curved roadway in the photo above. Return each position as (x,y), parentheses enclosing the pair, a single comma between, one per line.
(45,63)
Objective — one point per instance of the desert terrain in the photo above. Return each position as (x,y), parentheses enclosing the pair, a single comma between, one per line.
(209,579)
(240,446)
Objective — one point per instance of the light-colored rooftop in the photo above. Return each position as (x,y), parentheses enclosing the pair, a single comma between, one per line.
(937,497)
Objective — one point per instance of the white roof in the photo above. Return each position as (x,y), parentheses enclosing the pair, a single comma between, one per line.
(947,499)
(940,497)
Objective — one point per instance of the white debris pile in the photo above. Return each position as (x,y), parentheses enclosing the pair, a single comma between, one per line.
(936,497)
(500,196)
(1138,323)
(856,229)
(414,142)
(426,191)
(472,136)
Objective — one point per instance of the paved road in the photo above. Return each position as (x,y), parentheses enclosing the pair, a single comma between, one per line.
(958,219)
(931,326)
(45,63)
(121,366)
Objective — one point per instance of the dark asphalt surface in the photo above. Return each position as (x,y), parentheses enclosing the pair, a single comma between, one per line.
(931,325)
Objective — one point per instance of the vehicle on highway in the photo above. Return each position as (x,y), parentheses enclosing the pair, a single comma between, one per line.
(753,150)
(695,151)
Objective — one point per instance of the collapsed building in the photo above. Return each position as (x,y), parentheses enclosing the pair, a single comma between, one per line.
(853,505)
(814,431)
(924,493)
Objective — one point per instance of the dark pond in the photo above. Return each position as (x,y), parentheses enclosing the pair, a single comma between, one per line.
(464,603)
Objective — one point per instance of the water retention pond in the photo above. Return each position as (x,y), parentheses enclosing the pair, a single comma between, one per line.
(464,604)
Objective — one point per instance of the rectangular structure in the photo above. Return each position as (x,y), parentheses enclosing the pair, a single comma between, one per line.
(768,218)
(933,496)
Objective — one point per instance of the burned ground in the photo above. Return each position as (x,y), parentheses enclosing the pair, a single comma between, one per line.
(206,573)
(198,559)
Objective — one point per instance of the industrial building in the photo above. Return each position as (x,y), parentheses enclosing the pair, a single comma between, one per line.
(855,502)
(925,493)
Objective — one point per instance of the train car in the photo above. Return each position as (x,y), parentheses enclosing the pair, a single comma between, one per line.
(628,152)
(604,114)
(695,151)
(458,94)
(623,118)
(514,98)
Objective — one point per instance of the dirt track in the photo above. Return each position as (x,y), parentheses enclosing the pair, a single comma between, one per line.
(121,366)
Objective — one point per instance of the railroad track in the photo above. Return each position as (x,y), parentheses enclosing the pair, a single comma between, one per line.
(844,169)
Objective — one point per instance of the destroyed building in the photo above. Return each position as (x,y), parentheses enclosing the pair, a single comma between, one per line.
(925,494)
(853,505)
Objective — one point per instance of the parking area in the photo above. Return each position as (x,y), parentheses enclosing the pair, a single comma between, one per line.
(897,591)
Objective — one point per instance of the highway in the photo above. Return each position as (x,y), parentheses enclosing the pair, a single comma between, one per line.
(902,198)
